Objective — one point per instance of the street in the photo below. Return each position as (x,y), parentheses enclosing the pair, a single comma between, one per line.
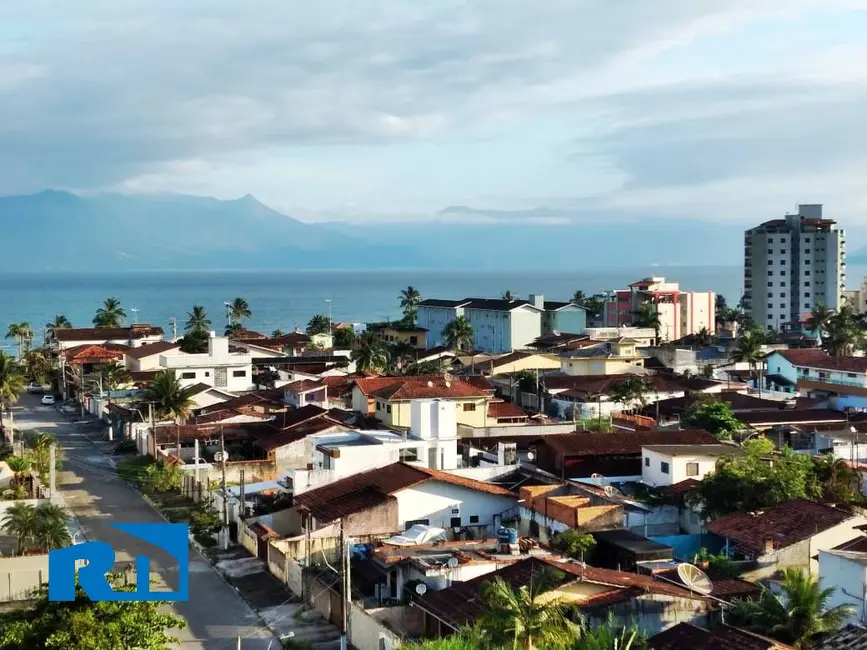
(216,615)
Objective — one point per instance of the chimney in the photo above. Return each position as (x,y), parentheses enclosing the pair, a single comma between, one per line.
(537,300)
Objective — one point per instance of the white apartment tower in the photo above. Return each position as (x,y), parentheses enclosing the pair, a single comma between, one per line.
(791,265)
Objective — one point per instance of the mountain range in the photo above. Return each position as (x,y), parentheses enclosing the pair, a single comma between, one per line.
(61,231)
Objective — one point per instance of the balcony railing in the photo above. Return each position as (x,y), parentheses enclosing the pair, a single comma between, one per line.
(830,380)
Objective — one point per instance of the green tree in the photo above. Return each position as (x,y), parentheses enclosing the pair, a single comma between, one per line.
(51,527)
(839,481)
(459,334)
(409,301)
(461,641)
(344,337)
(60,322)
(21,332)
(842,333)
(508,295)
(647,315)
(194,343)
(612,635)
(370,353)
(819,318)
(799,615)
(111,314)
(197,321)
(319,324)
(36,365)
(277,333)
(714,416)
(86,625)
(20,523)
(12,382)
(579,298)
(233,329)
(521,619)
(113,376)
(748,349)
(595,304)
(574,543)
(19,466)
(169,397)
(631,391)
(703,338)
(239,310)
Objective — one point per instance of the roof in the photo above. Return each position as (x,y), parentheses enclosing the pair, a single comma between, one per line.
(686,636)
(479,381)
(630,541)
(696,450)
(414,388)
(785,524)
(803,356)
(586,443)
(791,416)
(270,438)
(850,637)
(601,384)
(738,401)
(304,386)
(436,302)
(724,588)
(500,410)
(368,385)
(169,433)
(368,489)
(857,545)
(496,304)
(143,351)
(94,353)
(553,305)
(249,399)
(106,333)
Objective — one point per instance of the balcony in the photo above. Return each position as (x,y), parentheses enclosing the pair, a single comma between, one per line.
(827,383)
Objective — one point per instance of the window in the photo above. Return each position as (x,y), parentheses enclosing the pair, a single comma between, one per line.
(692,469)
(408,455)
(851,374)
(807,239)
(806,261)
(663,466)
(782,295)
(770,252)
(456,511)
(221,377)
(770,272)
(770,240)
(647,461)
(413,522)
(388,408)
(806,284)
(806,273)
(239,373)
(207,373)
(770,317)
(770,295)
(474,519)
(783,252)
(806,294)
(770,284)
(188,375)
(469,407)
(782,284)
(782,306)
(807,251)
(782,262)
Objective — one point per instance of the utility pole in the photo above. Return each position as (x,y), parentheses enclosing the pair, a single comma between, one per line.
(344,592)
(243,506)
(134,311)
(174,323)
(330,326)
(225,531)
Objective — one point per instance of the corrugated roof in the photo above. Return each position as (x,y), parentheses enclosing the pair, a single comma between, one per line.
(686,636)
(586,443)
(413,388)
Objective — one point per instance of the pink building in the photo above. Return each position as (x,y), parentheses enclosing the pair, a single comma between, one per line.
(681,313)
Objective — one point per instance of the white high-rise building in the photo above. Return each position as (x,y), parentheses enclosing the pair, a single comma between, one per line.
(793,264)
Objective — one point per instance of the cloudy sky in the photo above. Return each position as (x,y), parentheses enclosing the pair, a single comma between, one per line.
(359,109)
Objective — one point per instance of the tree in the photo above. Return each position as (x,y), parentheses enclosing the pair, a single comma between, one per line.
(819,318)
(60,322)
(50,531)
(459,334)
(521,619)
(579,298)
(319,324)
(194,343)
(611,635)
(20,523)
(839,481)
(715,417)
(111,314)
(21,332)
(86,625)
(703,338)
(409,301)
(169,397)
(842,333)
(12,382)
(799,615)
(508,295)
(277,333)
(114,375)
(344,337)
(370,354)
(631,391)
(233,329)
(574,543)
(647,315)
(239,310)
(749,349)
(197,321)
(19,466)
(595,304)
(36,365)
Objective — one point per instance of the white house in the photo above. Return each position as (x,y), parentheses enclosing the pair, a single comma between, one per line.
(663,465)
(845,569)
(498,325)
(217,367)
(133,336)
(305,391)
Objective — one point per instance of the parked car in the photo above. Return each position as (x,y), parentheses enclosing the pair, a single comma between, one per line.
(35,388)
(48,400)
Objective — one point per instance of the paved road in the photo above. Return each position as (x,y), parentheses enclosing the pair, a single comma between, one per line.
(216,615)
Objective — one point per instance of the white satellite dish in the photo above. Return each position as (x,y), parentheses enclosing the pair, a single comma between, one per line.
(694,578)
(448,384)
(421,589)
(430,384)
(218,456)
(452,563)
(530,455)
(448,376)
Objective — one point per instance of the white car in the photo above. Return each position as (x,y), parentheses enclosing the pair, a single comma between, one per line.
(48,400)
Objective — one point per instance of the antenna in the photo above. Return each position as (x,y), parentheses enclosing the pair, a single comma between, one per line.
(421,589)
(694,578)
(134,311)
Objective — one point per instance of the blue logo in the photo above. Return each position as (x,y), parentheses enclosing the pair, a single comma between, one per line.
(173,538)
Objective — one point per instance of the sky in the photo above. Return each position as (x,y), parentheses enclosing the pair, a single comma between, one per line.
(359,110)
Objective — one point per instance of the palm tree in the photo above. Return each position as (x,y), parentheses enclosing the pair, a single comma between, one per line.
(169,397)
(20,522)
(19,466)
(239,310)
(233,329)
(111,314)
(60,322)
(197,320)
(842,332)
(409,301)
(521,619)
(647,316)
(611,635)
(12,382)
(277,333)
(36,364)
(631,390)
(23,333)
(459,334)
(749,349)
(319,324)
(819,318)
(370,354)
(51,530)
(113,375)
(799,615)
(579,298)
(508,295)
(703,338)
(839,481)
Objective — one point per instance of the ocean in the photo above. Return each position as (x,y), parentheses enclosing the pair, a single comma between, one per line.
(286,299)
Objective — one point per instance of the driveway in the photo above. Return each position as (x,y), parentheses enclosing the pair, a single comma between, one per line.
(216,615)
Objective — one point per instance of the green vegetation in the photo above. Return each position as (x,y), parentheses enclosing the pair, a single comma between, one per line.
(194,342)
(169,397)
(647,316)
(841,332)
(36,365)
(713,416)
(205,522)
(37,528)
(60,322)
(111,314)
(574,543)
(749,349)
(631,392)
(86,625)
(459,334)
(197,321)
(799,616)
(239,311)
(720,565)
(113,376)
(370,353)
(344,337)
(612,636)
(23,333)
(319,324)
(409,300)
(593,304)
(508,295)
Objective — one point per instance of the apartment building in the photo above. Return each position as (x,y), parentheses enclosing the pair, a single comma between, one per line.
(681,313)
(793,264)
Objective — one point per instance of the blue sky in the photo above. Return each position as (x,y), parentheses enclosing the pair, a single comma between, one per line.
(364,109)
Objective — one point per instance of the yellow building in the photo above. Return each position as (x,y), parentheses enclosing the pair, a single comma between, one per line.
(411,334)
(517,362)
(614,357)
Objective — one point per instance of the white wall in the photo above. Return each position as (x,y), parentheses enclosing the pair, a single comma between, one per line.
(849,580)
(526,327)
(651,467)
(833,537)
(434,500)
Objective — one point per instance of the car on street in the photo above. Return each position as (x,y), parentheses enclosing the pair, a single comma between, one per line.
(35,388)
(48,400)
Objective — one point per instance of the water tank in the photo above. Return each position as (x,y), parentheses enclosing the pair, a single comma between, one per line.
(507,535)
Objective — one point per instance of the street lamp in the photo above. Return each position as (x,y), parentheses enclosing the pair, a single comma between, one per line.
(330,326)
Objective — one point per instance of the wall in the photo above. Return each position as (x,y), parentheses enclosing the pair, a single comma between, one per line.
(526,327)
(433,500)
(834,537)
(597,366)
(652,474)
(573,320)
(368,633)
(491,330)
(434,319)
(653,613)
(535,430)
(19,576)
(660,520)
(401,412)
(849,579)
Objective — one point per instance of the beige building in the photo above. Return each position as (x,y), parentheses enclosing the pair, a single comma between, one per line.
(410,334)
(615,357)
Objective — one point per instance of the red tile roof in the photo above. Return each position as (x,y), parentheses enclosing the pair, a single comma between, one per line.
(582,385)
(586,443)
(504,410)
(438,388)
(361,491)
(269,439)
(479,381)
(785,524)
(106,333)
(803,357)
(143,351)
(94,353)
(303,386)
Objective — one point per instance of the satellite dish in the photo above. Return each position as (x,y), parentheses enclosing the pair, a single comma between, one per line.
(531,455)
(430,384)
(610,491)
(694,578)
(218,456)
(452,563)
(449,385)
(421,589)
(448,376)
